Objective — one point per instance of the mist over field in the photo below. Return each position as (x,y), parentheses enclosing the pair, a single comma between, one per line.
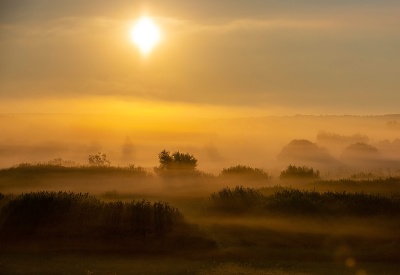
(199,137)
(337,145)
(106,193)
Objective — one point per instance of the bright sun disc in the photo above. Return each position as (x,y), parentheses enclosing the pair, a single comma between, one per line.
(145,34)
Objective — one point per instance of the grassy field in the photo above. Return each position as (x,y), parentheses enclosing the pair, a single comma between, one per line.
(136,223)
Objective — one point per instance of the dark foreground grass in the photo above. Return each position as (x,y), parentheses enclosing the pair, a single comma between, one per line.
(248,231)
(71,221)
(354,230)
(386,185)
(61,263)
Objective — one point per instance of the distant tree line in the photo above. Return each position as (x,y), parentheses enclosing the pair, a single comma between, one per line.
(176,164)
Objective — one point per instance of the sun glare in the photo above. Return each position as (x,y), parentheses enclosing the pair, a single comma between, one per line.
(145,34)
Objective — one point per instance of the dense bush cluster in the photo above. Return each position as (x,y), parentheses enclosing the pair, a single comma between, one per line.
(237,200)
(292,201)
(70,214)
(299,172)
(332,203)
(244,171)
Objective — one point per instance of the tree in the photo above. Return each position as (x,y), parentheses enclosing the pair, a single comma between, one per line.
(99,160)
(184,161)
(165,159)
(177,163)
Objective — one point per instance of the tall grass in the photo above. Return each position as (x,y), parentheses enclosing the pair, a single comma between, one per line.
(80,214)
(63,218)
(296,202)
(237,200)
(378,182)
(389,185)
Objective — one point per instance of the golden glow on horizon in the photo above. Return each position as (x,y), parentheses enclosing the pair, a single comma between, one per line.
(145,34)
(139,108)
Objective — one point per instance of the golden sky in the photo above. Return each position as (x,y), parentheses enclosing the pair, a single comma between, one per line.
(215,58)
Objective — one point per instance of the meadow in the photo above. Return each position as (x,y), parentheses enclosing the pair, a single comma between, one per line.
(57,219)
(281,119)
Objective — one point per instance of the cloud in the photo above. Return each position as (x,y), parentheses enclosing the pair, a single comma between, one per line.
(59,27)
(254,25)
(253,53)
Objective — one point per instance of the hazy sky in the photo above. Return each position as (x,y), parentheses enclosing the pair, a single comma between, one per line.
(275,57)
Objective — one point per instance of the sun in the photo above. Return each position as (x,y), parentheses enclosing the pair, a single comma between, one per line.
(145,34)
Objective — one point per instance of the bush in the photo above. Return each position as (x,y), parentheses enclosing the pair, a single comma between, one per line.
(295,202)
(99,160)
(177,164)
(239,199)
(246,172)
(79,221)
(80,214)
(299,172)
(332,203)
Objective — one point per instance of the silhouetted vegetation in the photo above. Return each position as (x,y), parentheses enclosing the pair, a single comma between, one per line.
(69,216)
(391,184)
(278,223)
(84,214)
(176,161)
(360,151)
(177,164)
(363,176)
(302,150)
(299,172)
(246,172)
(239,199)
(315,226)
(99,160)
(36,169)
(294,202)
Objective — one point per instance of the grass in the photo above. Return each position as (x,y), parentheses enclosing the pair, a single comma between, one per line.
(389,186)
(297,202)
(236,230)
(83,220)
(28,169)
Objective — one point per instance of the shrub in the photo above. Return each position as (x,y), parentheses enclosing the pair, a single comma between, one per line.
(79,221)
(64,213)
(297,202)
(239,199)
(245,171)
(299,172)
(99,160)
